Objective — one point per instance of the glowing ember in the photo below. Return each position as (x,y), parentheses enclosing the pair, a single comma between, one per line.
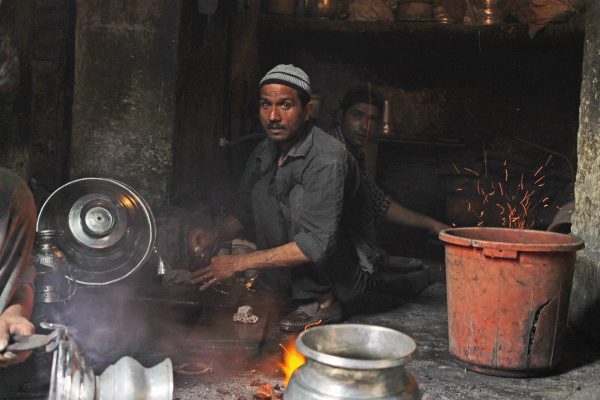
(308,326)
(292,360)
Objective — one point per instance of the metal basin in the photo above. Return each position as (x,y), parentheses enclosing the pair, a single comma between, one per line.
(109,229)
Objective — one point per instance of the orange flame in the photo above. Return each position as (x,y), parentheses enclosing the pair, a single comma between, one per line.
(292,360)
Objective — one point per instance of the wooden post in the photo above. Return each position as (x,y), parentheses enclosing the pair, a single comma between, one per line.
(584,313)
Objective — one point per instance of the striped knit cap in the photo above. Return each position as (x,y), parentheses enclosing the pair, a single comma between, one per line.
(289,75)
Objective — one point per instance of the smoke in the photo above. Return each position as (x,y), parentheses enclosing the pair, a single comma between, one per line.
(150,325)
(111,322)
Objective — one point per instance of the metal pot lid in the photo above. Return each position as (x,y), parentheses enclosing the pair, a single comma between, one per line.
(109,229)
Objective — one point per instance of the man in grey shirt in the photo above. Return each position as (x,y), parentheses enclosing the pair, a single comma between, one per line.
(17,231)
(301,192)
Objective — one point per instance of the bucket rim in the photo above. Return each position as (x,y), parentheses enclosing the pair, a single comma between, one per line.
(453,236)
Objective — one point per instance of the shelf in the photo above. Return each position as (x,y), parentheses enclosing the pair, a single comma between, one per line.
(425,32)
(415,140)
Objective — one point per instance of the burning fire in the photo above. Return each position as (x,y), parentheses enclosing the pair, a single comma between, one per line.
(292,359)
(513,203)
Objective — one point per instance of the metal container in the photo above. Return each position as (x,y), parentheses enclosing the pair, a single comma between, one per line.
(440,15)
(489,14)
(52,269)
(414,10)
(321,8)
(508,297)
(72,379)
(128,379)
(109,229)
(353,361)
(285,7)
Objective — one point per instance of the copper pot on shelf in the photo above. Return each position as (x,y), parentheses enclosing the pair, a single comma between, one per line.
(325,9)
(414,10)
(284,7)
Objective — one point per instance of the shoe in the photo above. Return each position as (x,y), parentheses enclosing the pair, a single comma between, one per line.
(401,283)
(401,264)
(311,313)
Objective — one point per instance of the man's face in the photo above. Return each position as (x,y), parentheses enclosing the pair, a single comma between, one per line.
(359,122)
(281,112)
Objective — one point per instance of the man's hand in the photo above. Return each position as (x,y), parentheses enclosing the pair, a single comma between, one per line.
(220,268)
(201,243)
(223,267)
(13,325)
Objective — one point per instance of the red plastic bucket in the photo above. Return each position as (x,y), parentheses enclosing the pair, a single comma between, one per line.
(508,297)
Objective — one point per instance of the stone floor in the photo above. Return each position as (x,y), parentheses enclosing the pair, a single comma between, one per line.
(235,360)
(439,375)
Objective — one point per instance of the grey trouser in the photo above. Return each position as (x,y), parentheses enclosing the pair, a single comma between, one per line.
(17,232)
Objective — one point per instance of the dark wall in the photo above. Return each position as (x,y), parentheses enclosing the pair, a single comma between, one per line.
(15,88)
(35,107)
(52,94)
(201,104)
(124,97)
(218,62)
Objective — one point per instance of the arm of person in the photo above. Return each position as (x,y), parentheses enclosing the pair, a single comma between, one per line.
(401,215)
(15,321)
(201,240)
(223,267)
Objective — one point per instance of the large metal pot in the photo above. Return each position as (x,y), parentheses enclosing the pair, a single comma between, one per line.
(353,361)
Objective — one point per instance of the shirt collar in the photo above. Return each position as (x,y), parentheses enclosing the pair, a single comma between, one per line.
(303,146)
(300,149)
